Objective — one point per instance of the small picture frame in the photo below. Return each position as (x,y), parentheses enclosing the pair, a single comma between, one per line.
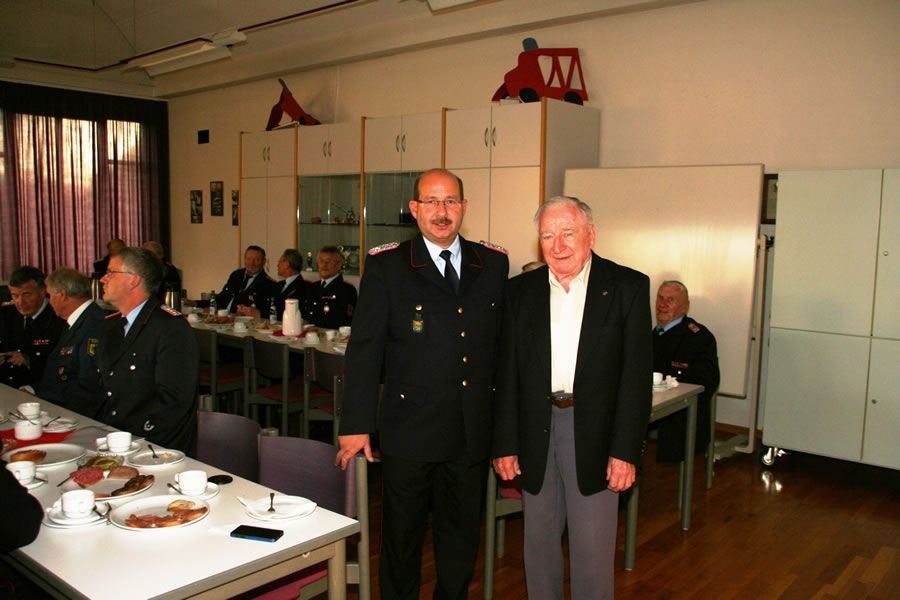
(216,198)
(770,198)
(235,206)
(196,206)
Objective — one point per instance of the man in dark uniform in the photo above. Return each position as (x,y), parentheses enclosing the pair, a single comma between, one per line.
(427,318)
(292,287)
(250,286)
(146,380)
(75,353)
(112,246)
(29,329)
(171,277)
(686,350)
(330,302)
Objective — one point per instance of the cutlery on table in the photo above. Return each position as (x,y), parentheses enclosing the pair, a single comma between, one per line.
(271,502)
(51,420)
(63,481)
(21,417)
(175,487)
(152,450)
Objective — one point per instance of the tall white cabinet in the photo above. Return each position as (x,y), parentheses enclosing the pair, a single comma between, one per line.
(833,378)
(512,157)
(268,200)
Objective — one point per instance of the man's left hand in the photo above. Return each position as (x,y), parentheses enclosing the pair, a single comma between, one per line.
(620,474)
(17,358)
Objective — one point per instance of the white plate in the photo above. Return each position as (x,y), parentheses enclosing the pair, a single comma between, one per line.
(105,486)
(212,490)
(155,505)
(35,483)
(135,446)
(61,425)
(56,517)
(286,507)
(164,457)
(57,454)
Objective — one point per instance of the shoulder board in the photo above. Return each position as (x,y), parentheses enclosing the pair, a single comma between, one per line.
(168,309)
(693,328)
(114,315)
(494,247)
(383,248)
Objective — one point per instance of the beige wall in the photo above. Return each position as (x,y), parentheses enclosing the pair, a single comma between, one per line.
(787,83)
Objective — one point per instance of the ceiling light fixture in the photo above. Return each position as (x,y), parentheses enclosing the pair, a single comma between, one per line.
(189,54)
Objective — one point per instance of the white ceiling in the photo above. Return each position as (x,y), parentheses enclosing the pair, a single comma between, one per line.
(84,43)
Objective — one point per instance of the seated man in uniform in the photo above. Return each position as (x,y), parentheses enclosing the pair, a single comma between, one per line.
(330,302)
(147,360)
(171,276)
(75,353)
(112,246)
(686,350)
(29,329)
(250,286)
(293,286)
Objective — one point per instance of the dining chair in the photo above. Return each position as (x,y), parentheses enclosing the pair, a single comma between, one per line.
(271,362)
(503,499)
(229,442)
(304,467)
(323,388)
(219,377)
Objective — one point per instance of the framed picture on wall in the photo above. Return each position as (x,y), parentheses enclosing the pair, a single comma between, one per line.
(216,198)
(770,198)
(196,206)
(234,207)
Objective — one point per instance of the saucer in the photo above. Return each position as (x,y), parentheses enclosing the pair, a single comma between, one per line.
(135,446)
(57,517)
(34,483)
(212,490)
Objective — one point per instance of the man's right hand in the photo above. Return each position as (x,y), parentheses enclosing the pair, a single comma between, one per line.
(350,447)
(507,467)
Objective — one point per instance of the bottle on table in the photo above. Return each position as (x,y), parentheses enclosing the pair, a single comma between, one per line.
(273,313)
(212,303)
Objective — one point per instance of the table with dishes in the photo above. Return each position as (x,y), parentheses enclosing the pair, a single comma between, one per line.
(669,397)
(234,330)
(154,540)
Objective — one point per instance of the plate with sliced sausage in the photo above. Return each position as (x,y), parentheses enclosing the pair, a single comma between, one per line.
(117,482)
(159,512)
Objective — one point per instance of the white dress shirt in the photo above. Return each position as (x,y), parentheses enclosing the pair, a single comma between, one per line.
(566,313)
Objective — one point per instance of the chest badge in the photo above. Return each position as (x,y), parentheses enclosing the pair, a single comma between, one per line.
(92,346)
(65,351)
(418,323)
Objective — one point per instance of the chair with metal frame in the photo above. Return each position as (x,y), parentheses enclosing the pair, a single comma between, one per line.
(503,499)
(271,362)
(219,377)
(323,388)
(305,467)
(229,442)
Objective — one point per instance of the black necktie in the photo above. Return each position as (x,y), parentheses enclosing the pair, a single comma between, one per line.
(28,323)
(660,330)
(449,272)
(117,335)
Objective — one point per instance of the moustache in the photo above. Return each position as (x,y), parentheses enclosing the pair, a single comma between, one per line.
(441,221)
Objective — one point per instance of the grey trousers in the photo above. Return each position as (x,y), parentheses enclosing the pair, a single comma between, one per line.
(591,519)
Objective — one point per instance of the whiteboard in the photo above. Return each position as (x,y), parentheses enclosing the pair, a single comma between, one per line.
(696,224)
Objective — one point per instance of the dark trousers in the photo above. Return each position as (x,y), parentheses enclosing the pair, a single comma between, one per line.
(453,492)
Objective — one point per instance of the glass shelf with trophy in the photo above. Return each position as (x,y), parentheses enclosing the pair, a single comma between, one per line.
(329,216)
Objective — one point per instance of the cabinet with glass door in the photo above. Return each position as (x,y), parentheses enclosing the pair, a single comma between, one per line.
(329,216)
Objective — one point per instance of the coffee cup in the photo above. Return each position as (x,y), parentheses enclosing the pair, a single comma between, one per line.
(193,318)
(77,504)
(344,331)
(191,483)
(29,410)
(311,337)
(657,378)
(222,312)
(116,441)
(28,430)
(22,470)
(240,327)
(330,334)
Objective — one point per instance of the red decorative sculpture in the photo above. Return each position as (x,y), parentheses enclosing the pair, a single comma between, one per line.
(287,104)
(545,73)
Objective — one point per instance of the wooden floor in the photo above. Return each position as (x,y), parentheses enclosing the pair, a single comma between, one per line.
(806,528)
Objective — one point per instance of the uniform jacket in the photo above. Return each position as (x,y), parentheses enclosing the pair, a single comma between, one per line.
(687,352)
(37,343)
(257,294)
(330,306)
(295,291)
(612,383)
(148,385)
(435,349)
(73,357)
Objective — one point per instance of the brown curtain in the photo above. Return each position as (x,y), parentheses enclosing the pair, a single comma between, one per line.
(69,182)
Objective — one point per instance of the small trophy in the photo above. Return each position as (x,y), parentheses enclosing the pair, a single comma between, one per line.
(309,261)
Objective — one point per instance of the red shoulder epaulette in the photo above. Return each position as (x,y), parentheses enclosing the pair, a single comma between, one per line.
(495,247)
(114,315)
(168,309)
(383,248)
(693,328)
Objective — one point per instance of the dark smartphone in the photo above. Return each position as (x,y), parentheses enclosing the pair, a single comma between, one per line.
(220,479)
(256,533)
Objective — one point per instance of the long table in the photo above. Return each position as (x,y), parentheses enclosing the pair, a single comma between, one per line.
(665,403)
(197,561)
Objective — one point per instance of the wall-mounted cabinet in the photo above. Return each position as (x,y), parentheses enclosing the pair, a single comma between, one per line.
(512,157)
(405,143)
(835,343)
(329,163)
(268,197)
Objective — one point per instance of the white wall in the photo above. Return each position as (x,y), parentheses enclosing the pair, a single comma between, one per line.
(786,83)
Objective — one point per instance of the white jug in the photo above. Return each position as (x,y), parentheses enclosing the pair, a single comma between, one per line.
(291,323)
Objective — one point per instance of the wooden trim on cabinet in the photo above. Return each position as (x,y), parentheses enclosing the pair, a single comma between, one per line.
(444,137)
(362,197)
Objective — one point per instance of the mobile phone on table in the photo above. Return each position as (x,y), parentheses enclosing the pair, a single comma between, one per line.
(262,534)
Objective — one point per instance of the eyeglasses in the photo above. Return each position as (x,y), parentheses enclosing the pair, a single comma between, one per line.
(448,203)
(111,272)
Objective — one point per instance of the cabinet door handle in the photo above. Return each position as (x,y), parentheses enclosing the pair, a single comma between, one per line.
(397,143)
(329,148)
(874,401)
(325,148)
(493,136)
(403,143)
(264,154)
(486,142)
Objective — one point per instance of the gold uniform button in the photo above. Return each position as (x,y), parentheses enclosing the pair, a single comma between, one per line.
(465,359)
(418,307)
(459,310)
(465,382)
(403,396)
(462,333)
